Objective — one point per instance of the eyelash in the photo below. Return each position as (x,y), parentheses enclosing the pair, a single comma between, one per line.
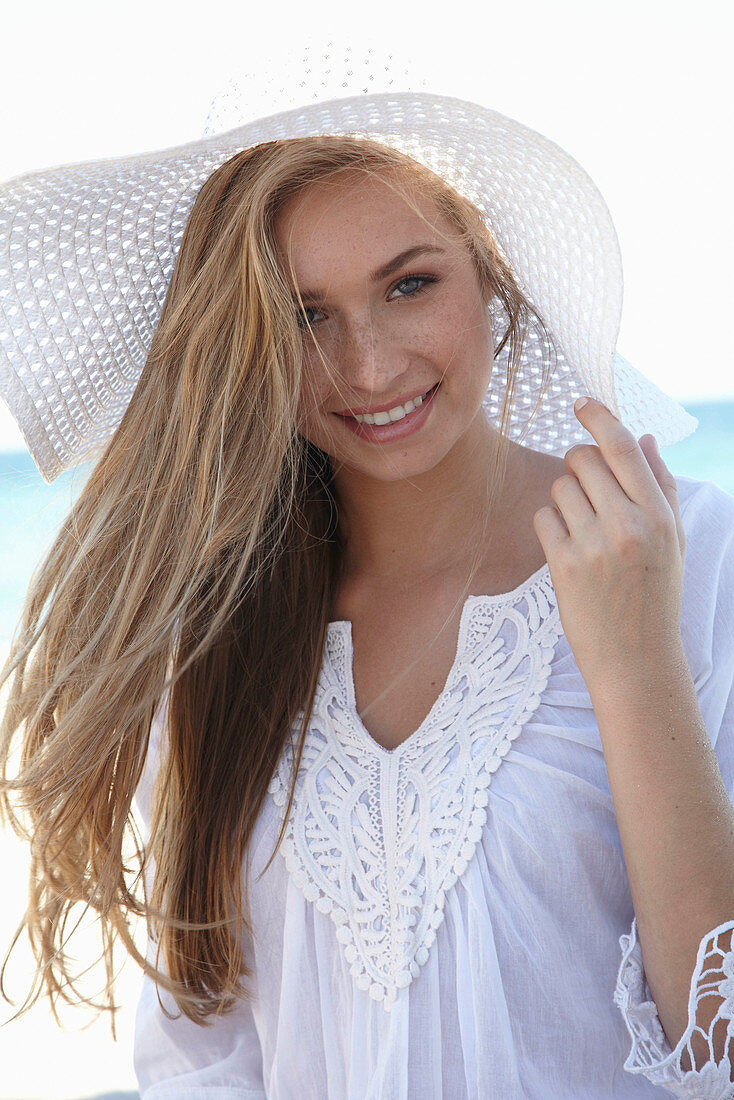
(424,279)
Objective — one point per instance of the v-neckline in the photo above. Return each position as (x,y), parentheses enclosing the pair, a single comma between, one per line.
(343,628)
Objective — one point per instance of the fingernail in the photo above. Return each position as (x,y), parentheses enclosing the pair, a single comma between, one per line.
(580,403)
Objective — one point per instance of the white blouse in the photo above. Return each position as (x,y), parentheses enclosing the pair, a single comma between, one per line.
(452,919)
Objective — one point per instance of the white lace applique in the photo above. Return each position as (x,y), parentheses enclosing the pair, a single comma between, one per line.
(376,838)
(651,1053)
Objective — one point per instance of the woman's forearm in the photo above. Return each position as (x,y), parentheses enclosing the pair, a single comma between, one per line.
(676,824)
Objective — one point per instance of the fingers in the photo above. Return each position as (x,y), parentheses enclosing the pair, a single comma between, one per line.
(621,452)
(666,481)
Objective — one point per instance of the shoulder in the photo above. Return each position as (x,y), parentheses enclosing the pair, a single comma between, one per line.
(707,622)
(705,506)
(707,514)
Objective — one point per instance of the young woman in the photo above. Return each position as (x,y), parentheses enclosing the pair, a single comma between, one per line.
(427,713)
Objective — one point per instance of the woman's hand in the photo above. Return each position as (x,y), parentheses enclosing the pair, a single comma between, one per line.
(615,548)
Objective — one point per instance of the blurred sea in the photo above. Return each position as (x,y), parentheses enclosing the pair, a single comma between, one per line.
(33,511)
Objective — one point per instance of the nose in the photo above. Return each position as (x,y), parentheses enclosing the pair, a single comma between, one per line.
(368,359)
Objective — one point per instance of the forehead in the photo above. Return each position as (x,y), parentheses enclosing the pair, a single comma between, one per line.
(358,215)
(355,187)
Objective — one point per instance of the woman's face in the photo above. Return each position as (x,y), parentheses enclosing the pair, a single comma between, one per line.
(387,335)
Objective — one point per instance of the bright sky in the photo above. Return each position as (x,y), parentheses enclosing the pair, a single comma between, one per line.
(638,91)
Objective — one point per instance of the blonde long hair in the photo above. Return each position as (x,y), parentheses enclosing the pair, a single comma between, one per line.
(199,563)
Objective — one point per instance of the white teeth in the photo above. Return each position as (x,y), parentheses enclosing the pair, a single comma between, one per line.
(391,415)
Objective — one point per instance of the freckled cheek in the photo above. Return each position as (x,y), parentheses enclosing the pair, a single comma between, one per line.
(448,345)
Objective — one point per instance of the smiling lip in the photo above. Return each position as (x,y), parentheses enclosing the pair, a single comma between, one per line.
(398,429)
(382,408)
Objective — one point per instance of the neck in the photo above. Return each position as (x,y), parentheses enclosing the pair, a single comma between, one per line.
(403,533)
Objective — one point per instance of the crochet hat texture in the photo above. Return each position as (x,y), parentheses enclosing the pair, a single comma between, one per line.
(87,251)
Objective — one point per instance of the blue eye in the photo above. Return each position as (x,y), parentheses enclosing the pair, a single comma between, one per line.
(424,280)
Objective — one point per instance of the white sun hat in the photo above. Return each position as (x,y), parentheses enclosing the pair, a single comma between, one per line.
(87,251)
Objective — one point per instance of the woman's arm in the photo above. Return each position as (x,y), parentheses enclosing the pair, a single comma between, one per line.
(180,1060)
(676,824)
(616,546)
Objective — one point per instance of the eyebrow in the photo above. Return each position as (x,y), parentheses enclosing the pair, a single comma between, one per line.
(385,269)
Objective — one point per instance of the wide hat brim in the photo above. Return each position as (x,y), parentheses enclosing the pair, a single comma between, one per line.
(87,251)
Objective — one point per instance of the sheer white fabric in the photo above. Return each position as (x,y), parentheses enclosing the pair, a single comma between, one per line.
(651,1053)
(452,920)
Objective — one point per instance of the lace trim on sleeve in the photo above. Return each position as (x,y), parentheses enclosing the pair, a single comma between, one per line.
(651,1053)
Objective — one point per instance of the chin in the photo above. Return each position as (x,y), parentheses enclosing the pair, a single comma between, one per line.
(401,465)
